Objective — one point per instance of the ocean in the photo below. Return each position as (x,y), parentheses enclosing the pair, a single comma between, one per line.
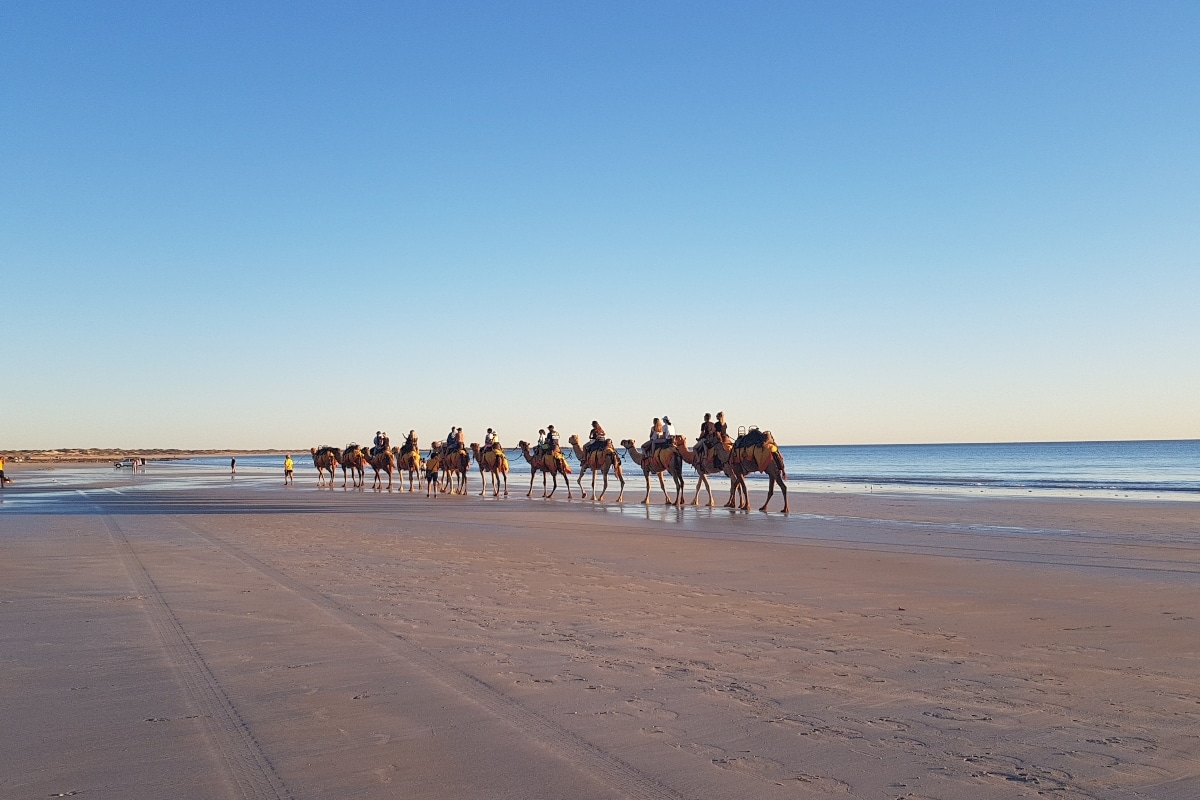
(1147,469)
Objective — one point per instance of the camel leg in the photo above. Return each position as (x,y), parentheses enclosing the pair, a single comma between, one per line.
(733,489)
(567,481)
(770,492)
(603,489)
(782,490)
(554,477)
(646,499)
(663,485)
(699,484)
(621,478)
(582,492)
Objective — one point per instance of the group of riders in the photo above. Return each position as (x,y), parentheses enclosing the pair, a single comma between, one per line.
(713,433)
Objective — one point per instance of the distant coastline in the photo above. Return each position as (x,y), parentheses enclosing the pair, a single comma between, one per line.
(102,454)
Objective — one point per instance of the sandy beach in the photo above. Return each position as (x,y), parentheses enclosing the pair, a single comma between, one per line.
(250,641)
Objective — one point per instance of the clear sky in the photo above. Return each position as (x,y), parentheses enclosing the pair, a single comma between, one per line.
(277,225)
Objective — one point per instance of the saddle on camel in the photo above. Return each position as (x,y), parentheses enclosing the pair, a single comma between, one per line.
(754,451)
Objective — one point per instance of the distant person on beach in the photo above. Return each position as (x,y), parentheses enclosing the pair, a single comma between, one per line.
(3,480)
(288,465)
(232,466)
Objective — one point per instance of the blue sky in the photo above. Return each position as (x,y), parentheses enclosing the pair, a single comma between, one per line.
(284,224)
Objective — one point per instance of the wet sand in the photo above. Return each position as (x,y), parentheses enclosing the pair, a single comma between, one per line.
(243,640)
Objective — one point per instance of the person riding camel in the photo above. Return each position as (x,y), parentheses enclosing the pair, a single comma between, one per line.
(706,439)
(459,442)
(657,438)
(410,443)
(376,443)
(385,443)
(722,430)
(596,438)
(541,445)
(552,440)
(491,441)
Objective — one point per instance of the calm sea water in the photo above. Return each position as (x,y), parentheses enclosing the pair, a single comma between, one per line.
(1146,469)
(1143,467)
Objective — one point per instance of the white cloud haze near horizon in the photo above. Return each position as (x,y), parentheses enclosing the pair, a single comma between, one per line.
(287,225)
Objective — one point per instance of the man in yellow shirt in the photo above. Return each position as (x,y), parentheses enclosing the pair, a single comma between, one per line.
(3,480)
(287,469)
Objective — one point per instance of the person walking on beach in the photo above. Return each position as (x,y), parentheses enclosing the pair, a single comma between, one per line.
(288,465)
(233,466)
(3,480)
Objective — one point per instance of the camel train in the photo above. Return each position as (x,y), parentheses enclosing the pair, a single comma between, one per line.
(446,469)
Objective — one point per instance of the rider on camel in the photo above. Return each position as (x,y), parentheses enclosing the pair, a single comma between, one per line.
(597,440)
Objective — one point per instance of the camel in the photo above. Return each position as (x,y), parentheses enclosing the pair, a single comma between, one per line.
(354,460)
(408,459)
(325,459)
(494,463)
(756,452)
(455,465)
(552,464)
(713,462)
(664,459)
(598,461)
(383,461)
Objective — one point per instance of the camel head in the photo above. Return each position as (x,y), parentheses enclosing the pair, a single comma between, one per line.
(313,450)
(573,439)
(628,443)
(474,448)
(524,445)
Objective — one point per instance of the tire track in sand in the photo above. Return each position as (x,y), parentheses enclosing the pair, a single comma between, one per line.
(247,768)
(600,764)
